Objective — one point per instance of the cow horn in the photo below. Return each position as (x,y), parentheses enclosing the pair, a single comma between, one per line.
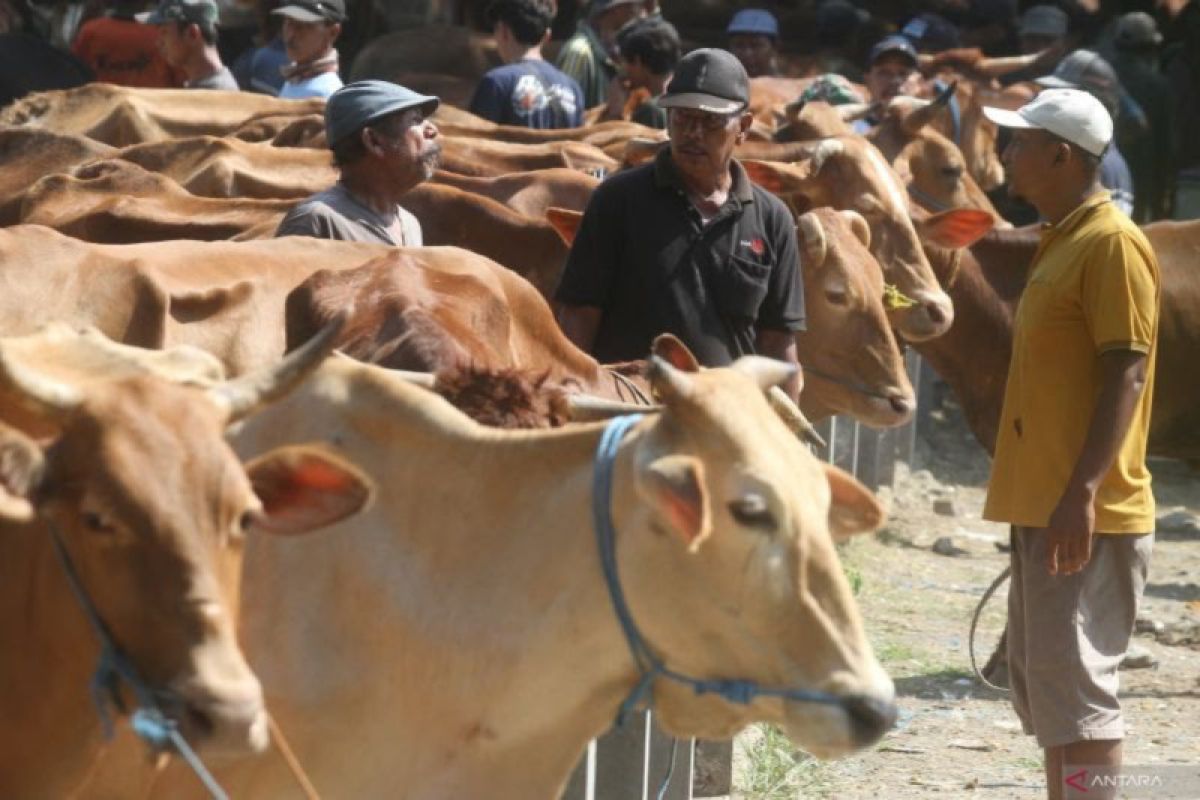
(668,382)
(426,380)
(793,417)
(242,396)
(859,225)
(921,115)
(849,112)
(766,372)
(813,237)
(36,392)
(1002,65)
(586,407)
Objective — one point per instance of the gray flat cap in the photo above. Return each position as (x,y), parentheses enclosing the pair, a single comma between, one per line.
(362,102)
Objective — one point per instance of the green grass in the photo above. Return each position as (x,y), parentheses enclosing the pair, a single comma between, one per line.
(775,770)
(854,576)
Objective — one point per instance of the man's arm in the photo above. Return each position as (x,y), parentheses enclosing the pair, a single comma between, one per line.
(1072,525)
(580,324)
(782,345)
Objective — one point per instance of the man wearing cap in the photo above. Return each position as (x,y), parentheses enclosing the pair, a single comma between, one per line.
(588,55)
(891,68)
(687,244)
(1069,472)
(1087,70)
(187,31)
(838,26)
(527,91)
(1151,157)
(383,145)
(310,27)
(1040,28)
(931,33)
(753,37)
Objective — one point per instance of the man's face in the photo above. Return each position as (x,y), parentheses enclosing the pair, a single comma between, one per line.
(887,76)
(610,21)
(702,143)
(173,43)
(1030,162)
(756,52)
(412,148)
(306,41)
(636,75)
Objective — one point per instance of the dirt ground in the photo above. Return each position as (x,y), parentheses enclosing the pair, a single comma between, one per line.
(954,737)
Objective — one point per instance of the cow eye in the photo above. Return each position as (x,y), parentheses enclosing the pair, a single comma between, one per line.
(836,297)
(248,520)
(752,511)
(952,172)
(95,522)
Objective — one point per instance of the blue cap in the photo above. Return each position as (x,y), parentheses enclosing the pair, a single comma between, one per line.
(754,21)
(360,103)
(893,44)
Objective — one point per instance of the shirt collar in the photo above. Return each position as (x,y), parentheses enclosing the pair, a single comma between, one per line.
(666,176)
(1072,221)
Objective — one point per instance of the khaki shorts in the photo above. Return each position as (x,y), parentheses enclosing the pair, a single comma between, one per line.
(1068,633)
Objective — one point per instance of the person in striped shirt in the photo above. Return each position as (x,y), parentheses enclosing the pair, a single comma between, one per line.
(588,55)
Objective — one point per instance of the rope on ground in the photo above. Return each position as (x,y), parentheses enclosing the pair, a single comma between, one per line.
(996,584)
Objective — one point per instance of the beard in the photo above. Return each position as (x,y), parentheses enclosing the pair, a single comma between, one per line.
(431,159)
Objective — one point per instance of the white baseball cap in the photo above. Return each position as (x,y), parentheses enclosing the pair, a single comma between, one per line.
(1071,114)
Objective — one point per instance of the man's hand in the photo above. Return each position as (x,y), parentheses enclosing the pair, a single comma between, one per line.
(1069,534)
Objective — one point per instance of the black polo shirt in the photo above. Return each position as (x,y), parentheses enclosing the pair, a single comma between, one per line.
(644,257)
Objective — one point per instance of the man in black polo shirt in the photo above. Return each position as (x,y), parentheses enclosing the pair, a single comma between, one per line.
(687,244)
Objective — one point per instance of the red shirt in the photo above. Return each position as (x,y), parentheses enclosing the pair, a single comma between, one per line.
(125,52)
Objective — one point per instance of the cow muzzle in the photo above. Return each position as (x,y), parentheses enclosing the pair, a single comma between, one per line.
(930,316)
(222,716)
(862,717)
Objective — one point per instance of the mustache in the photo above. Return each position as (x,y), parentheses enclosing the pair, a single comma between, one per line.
(432,154)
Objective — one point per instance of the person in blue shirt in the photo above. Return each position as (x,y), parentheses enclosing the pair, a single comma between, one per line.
(310,27)
(526,91)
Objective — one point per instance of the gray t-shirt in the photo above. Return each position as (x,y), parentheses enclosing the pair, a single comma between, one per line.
(221,79)
(336,214)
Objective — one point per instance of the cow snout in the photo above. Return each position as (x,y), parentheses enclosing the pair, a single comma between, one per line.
(870,718)
(229,719)
(931,316)
(901,404)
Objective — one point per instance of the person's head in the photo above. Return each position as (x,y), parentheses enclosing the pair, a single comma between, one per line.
(1087,70)
(707,104)
(892,62)
(1137,32)
(753,36)
(381,133)
(649,49)
(519,25)
(186,28)
(931,33)
(608,16)
(838,23)
(1041,27)
(1058,140)
(310,27)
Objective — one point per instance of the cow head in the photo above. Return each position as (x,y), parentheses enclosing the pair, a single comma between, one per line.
(152,507)
(853,362)
(734,534)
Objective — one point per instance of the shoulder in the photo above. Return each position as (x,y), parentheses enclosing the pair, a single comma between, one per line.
(577,46)
(772,208)
(622,184)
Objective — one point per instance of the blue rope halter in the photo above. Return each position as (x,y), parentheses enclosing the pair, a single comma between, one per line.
(114,667)
(650,665)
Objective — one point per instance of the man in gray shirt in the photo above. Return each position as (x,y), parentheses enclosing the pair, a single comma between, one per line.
(187,32)
(383,144)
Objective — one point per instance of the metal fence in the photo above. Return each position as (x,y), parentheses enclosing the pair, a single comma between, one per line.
(630,763)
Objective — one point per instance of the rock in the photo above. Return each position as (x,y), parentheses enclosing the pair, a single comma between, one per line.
(1138,657)
(977,745)
(1146,625)
(945,546)
(944,506)
(1178,521)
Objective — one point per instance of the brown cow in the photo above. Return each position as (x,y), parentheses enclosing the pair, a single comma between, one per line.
(529,193)
(122,115)
(484,157)
(27,154)
(151,508)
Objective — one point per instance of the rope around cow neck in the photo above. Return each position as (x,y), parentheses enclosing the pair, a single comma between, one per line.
(148,720)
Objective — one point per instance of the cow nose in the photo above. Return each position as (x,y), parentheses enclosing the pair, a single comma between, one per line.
(870,717)
(935,312)
(901,404)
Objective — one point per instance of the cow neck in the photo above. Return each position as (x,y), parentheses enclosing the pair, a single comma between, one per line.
(47,686)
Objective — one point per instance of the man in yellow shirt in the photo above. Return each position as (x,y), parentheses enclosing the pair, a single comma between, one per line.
(1070,472)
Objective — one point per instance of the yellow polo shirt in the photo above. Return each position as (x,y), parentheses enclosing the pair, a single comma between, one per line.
(1093,287)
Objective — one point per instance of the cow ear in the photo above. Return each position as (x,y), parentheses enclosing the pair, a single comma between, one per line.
(674,488)
(22,465)
(303,488)
(956,228)
(639,150)
(777,177)
(565,223)
(669,348)
(852,507)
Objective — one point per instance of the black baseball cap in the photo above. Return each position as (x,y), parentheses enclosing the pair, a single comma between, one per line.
(197,12)
(1087,70)
(893,44)
(931,32)
(709,79)
(313,10)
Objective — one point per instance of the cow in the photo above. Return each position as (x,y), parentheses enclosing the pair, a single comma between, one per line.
(491,653)
(529,193)
(485,157)
(141,499)
(851,359)
(29,154)
(123,115)
(986,281)
(453,121)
